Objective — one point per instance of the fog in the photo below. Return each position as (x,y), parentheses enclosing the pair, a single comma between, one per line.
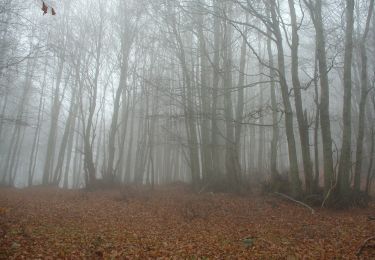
(222,95)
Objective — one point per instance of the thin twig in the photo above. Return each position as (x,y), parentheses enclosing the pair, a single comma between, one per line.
(328,194)
(364,245)
(297,201)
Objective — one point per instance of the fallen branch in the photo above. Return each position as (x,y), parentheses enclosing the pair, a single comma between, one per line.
(364,245)
(328,195)
(296,201)
(203,188)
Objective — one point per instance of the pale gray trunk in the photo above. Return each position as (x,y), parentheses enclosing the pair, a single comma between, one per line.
(126,43)
(275,127)
(233,169)
(215,149)
(89,165)
(64,141)
(129,154)
(69,149)
(205,101)
(16,133)
(35,144)
(55,111)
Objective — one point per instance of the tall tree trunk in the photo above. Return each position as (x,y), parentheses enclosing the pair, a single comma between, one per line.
(316,126)
(126,43)
(55,111)
(302,121)
(89,165)
(77,157)
(241,92)
(362,104)
(188,106)
(369,170)
(64,141)
(316,15)
(128,162)
(260,164)
(275,127)
(345,158)
(233,169)
(293,164)
(3,109)
(35,144)
(15,139)
(215,149)
(205,100)
(69,149)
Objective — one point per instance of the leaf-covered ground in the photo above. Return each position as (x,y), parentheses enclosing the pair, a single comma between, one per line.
(172,222)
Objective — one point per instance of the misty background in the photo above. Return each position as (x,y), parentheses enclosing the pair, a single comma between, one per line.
(219,94)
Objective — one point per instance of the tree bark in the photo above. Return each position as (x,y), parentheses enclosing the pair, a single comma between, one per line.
(275,127)
(362,104)
(301,120)
(55,111)
(316,15)
(345,158)
(293,164)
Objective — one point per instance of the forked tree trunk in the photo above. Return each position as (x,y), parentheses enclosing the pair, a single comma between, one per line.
(293,164)
(301,120)
(316,15)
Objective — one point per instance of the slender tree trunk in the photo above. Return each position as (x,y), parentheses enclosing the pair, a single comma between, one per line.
(17,159)
(12,155)
(260,164)
(35,144)
(3,109)
(369,170)
(130,145)
(188,107)
(316,126)
(275,127)
(89,164)
(362,104)
(69,149)
(205,101)
(241,92)
(316,15)
(77,157)
(15,139)
(345,158)
(55,111)
(215,149)
(233,169)
(64,141)
(293,164)
(301,120)
(125,117)
(125,49)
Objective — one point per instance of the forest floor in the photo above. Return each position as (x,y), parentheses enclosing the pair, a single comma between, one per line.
(173,222)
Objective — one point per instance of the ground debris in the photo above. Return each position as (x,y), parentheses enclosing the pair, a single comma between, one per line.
(174,222)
